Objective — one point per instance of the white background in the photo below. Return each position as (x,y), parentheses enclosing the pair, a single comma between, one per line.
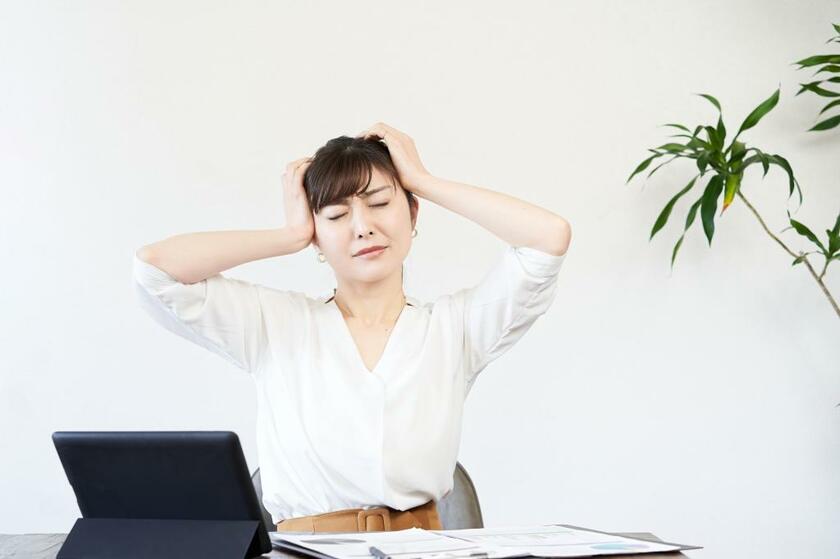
(698,405)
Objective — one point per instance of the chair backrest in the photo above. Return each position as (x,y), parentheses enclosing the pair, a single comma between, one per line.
(458,509)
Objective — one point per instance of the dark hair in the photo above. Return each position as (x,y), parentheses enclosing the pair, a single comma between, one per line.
(343,167)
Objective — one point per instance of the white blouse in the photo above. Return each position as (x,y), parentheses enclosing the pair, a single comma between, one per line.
(331,434)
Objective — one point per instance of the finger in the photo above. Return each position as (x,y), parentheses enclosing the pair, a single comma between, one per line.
(375,130)
(295,167)
(369,133)
(390,129)
(380,134)
(302,161)
(293,164)
(398,133)
(301,168)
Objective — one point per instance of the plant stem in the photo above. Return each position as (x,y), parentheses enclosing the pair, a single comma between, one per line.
(817,278)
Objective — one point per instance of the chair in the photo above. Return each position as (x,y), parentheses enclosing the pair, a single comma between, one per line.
(459,509)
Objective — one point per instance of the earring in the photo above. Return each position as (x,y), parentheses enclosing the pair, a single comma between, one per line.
(321,257)
(414,233)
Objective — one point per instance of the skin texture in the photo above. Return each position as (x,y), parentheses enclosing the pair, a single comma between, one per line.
(369,290)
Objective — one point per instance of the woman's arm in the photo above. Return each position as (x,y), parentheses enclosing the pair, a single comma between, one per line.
(192,257)
(515,221)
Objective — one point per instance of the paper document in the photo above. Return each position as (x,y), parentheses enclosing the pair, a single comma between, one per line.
(551,540)
(557,540)
(412,543)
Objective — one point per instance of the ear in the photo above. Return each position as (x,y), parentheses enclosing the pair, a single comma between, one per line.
(414,208)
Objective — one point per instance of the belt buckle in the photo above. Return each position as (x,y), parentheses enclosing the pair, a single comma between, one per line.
(377,511)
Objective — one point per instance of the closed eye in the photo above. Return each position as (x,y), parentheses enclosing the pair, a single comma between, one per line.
(342,215)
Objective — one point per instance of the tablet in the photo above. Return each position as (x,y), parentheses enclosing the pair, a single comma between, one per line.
(186,475)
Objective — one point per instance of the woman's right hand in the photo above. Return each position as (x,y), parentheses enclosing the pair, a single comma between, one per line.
(298,213)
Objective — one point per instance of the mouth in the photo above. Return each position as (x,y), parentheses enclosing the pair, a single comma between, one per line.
(371,251)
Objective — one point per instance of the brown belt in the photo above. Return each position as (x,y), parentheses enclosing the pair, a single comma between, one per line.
(366,520)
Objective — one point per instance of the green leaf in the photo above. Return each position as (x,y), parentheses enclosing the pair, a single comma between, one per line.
(807,233)
(733,183)
(692,212)
(836,229)
(826,124)
(672,147)
(721,131)
(688,221)
(764,163)
(799,259)
(712,100)
(666,211)
(695,143)
(819,59)
(737,151)
(777,159)
(758,113)
(708,205)
(833,242)
(830,105)
(643,165)
(676,249)
(758,157)
(661,165)
(681,127)
(815,88)
(836,27)
(712,134)
(834,68)
(703,161)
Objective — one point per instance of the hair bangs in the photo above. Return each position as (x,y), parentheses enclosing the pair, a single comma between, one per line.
(344,178)
(343,168)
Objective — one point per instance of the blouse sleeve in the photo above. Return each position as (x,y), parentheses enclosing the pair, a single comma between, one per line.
(502,307)
(219,313)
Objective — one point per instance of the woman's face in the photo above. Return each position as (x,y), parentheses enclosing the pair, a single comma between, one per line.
(379,216)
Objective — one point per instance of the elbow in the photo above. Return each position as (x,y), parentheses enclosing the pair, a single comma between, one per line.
(145,254)
(562,237)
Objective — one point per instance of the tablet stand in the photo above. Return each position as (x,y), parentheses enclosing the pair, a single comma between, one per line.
(131,538)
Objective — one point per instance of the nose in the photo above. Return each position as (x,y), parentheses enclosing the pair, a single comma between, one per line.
(362,221)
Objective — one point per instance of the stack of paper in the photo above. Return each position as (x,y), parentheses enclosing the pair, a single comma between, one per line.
(551,540)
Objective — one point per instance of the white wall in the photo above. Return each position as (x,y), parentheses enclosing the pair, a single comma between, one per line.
(698,405)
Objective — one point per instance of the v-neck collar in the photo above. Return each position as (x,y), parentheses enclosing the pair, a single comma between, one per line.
(348,335)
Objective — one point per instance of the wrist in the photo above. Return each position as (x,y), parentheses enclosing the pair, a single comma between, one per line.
(421,184)
(292,238)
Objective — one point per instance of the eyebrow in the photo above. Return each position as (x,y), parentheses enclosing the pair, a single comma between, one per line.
(366,193)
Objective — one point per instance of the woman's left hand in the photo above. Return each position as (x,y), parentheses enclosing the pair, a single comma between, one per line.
(403,153)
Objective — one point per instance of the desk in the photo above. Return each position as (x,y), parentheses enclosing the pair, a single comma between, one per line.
(46,546)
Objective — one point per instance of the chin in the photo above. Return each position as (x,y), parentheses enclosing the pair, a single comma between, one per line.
(374,273)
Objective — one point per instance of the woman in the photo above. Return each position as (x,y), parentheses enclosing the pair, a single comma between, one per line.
(360,394)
